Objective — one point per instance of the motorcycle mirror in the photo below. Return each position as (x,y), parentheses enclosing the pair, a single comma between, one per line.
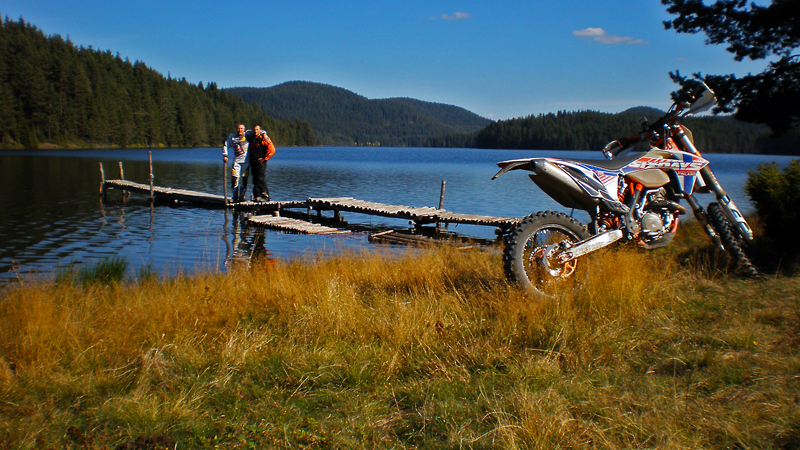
(704,102)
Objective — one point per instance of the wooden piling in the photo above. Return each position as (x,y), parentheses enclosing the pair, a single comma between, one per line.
(225,181)
(102,182)
(441,195)
(125,194)
(151,176)
(441,203)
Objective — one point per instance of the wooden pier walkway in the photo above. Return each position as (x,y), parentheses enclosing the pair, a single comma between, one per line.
(181,195)
(293,225)
(418,215)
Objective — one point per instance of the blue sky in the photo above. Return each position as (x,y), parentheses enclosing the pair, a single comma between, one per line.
(499,58)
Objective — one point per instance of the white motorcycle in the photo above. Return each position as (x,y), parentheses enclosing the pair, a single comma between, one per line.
(634,198)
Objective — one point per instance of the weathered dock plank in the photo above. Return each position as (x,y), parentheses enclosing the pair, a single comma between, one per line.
(184,195)
(417,214)
(288,224)
(168,193)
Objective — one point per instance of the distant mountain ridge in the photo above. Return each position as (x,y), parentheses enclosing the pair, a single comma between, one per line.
(342,117)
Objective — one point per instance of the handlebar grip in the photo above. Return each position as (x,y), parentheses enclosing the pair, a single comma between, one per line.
(612,149)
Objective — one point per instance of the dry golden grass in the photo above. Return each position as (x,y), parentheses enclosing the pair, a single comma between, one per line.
(427,349)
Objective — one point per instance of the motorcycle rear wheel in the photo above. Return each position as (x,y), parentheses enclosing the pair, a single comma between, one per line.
(731,240)
(528,258)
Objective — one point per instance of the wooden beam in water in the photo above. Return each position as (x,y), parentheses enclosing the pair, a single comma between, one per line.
(294,225)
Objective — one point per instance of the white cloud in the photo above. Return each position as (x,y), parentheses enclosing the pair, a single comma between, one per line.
(589,32)
(600,35)
(457,16)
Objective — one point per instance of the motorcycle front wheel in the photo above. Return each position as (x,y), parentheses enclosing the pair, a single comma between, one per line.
(531,246)
(731,240)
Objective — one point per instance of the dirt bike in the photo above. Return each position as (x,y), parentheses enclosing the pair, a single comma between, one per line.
(634,198)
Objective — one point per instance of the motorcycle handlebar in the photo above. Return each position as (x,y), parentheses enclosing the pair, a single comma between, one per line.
(614,148)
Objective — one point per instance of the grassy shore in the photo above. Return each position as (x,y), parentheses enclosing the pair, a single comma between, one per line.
(432,349)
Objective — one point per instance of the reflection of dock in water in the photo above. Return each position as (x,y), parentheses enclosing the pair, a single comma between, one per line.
(272,217)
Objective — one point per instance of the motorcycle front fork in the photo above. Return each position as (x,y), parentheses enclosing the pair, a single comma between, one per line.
(702,217)
(734,215)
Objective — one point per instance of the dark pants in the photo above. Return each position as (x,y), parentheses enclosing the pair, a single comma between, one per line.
(259,172)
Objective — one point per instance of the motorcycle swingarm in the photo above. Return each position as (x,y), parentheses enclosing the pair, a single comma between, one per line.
(587,246)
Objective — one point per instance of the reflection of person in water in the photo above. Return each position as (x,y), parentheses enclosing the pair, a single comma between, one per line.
(237,253)
(245,249)
(260,252)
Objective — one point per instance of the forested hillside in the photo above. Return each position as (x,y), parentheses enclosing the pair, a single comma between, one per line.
(590,130)
(53,94)
(341,117)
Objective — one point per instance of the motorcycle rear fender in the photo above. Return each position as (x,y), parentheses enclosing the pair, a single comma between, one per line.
(514,164)
(554,181)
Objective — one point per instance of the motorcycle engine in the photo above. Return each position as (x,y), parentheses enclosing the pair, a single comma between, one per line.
(652,225)
(655,222)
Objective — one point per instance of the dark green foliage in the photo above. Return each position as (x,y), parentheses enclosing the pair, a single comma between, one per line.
(771,97)
(590,130)
(341,117)
(52,92)
(463,140)
(776,196)
(103,272)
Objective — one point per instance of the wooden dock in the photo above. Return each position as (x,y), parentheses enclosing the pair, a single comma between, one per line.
(292,225)
(418,215)
(179,195)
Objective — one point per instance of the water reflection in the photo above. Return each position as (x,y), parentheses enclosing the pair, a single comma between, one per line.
(244,243)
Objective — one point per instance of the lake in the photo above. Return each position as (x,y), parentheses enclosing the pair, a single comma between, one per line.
(51,215)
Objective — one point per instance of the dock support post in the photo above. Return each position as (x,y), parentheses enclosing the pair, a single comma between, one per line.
(441,204)
(102,182)
(125,193)
(225,182)
(441,195)
(151,177)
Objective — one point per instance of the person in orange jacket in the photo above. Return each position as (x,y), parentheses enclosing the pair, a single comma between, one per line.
(261,149)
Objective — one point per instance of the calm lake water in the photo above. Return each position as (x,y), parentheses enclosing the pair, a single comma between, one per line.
(51,216)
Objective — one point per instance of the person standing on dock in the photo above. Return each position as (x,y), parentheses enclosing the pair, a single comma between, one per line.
(238,143)
(261,150)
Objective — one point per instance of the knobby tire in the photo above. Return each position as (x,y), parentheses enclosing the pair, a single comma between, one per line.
(731,240)
(517,263)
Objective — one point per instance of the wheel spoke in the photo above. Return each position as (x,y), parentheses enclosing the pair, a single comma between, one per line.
(532,247)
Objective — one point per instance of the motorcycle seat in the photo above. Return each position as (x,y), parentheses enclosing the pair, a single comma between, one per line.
(608,164)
